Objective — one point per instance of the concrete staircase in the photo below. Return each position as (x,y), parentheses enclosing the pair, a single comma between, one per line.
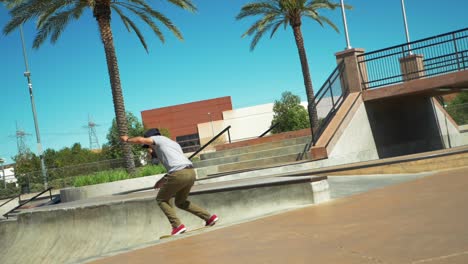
(253,156)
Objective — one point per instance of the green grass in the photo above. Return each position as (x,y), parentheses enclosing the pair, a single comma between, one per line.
(115,175)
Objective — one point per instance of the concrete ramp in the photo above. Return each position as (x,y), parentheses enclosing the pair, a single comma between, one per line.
(419,222)
(75,231)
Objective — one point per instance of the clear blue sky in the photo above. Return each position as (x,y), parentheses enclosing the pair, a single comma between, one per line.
(70,78)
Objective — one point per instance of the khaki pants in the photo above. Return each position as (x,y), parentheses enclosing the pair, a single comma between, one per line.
(178,185)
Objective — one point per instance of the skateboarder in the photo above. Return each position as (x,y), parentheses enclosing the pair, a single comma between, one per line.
(177,182)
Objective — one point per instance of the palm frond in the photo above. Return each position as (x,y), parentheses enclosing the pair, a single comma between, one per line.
(159,16)
(129,24)
(259,25)
(329,22)
(53,25)
(254,9)
(143,16)
(56,5)
(122,17)
(184,4)
(275,28)
(258,36)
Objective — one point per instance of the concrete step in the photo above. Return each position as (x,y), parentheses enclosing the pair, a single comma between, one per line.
(284,150)
(255,148)
(249,164)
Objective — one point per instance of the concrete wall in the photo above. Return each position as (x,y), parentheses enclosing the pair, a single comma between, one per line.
(103,189)
(403,125)
(357,142)
(250,122)
(452,134)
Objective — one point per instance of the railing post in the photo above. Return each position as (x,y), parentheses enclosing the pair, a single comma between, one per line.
(456,50)
(229,135)
(412,67)
(352,69)
(331,94)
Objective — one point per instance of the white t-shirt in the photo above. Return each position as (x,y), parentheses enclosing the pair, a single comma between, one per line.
(170,154)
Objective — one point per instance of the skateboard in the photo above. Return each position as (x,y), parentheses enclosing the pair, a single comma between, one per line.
(186,232)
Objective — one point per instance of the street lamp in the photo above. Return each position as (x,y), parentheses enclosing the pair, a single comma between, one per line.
(403,10)
(343,13)
(27,74)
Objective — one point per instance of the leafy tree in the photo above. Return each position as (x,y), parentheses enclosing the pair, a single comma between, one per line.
(27,168)
(54,15)
(289,114)
(275,13)
(112,148)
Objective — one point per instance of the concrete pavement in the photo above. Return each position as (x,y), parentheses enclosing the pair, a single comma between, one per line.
(422,221)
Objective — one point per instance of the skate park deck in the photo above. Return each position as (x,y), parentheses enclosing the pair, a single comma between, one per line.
(421,221)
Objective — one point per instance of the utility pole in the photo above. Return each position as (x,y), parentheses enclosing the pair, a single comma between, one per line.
(27,74)
(93,140)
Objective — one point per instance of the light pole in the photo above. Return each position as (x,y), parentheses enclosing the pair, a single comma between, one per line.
(403,10)
(27,74)
(343,13)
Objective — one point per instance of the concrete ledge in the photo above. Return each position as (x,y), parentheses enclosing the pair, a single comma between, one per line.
(80,193)
(74,232)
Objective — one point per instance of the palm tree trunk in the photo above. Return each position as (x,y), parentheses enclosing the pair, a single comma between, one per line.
(102,15)
(307,79)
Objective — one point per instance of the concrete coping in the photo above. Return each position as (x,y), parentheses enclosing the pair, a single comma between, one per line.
(251,183)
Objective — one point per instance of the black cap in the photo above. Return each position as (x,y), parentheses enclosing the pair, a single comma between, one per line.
(152,132)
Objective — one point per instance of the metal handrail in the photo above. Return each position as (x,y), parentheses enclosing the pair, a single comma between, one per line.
(213,139)
(327,87)
(268,130)
(439,54)
(11,199)
(30,200)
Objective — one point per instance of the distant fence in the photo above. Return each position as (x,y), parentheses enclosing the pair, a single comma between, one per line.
(427,57)
(63,176)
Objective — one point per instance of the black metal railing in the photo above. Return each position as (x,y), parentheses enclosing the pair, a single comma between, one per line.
(9,200)
(268,130)
(329,98)
(427,57)
(212,140)
(30,200)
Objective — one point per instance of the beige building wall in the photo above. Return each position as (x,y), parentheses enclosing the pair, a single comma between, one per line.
(248,122)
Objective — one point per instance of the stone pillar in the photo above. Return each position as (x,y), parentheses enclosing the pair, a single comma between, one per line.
(412,67)
(354,78)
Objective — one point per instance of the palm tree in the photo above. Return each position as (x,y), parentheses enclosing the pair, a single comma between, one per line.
(54,15)
(275,13)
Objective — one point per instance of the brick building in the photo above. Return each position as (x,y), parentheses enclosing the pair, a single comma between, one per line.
(182,120)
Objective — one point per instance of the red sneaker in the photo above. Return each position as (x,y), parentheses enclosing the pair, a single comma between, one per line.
(178,230)
(212,221)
